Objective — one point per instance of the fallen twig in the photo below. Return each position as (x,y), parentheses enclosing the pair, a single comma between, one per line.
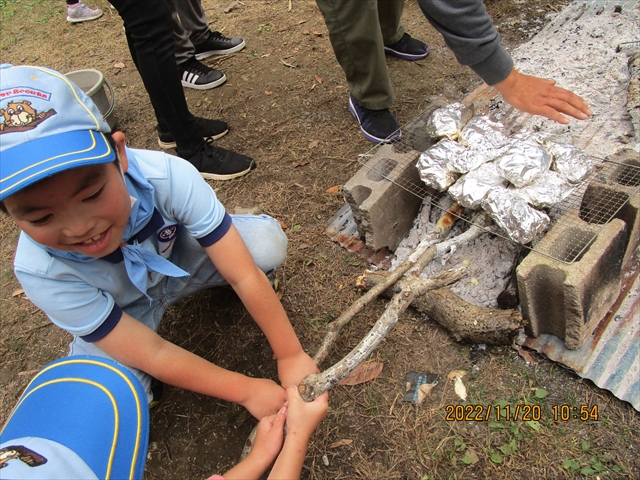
(316,384)
(287,64)
(424,253)
(333,329)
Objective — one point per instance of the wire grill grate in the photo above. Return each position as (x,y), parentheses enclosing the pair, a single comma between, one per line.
(596,201)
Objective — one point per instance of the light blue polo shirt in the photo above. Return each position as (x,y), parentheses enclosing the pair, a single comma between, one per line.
(80,296)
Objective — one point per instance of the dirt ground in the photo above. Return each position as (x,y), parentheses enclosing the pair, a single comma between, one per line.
(286,100)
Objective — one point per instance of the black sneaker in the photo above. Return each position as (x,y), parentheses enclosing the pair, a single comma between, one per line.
(218,44)
(217,163)
(195,74)
(207,127)
(273,280)
(157,391)
(408,48)
(377,126)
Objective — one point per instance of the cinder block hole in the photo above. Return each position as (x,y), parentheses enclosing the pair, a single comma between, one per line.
(381,169)
(573,244)
(600,204)
(360,193)
(628,174)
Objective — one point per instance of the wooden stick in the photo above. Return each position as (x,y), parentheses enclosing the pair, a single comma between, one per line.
(316,384)
(424,253)
(333,329)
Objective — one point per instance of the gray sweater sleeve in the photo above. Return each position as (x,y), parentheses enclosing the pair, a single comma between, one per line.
(469,32)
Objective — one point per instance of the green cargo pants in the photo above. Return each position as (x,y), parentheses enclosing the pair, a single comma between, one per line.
(359,30)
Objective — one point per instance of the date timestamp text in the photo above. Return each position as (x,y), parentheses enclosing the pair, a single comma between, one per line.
(525,413)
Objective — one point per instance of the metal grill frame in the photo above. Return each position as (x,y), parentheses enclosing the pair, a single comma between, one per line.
(608,205)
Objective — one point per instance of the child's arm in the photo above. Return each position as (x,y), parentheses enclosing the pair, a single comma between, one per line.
(136,345)
(302,420)
(234,262)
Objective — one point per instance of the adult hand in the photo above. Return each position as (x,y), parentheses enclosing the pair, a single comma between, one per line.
(292,370)
(540,96)
(265,397)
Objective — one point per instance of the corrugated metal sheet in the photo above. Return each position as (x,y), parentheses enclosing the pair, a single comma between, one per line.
(610,358)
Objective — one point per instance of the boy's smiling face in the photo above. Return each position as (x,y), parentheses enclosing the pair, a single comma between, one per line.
(84,210)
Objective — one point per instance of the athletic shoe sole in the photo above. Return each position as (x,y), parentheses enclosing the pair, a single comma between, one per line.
(170,145)
(395,136)
(209,53)
(405,56)
(230,176)
(205,86)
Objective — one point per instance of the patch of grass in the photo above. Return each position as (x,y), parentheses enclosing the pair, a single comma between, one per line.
(590,463)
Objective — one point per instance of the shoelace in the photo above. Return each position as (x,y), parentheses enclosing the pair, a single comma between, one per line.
(218,35)
(217,153)
(373,114)
(195,66)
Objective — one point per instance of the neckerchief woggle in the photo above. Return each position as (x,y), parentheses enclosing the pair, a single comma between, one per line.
(138,261)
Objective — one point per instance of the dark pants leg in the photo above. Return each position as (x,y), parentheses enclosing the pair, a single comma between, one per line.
(150,36)
(359,30)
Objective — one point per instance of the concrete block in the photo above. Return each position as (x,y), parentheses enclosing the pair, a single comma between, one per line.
(617,194)
(384,212)
(569,300)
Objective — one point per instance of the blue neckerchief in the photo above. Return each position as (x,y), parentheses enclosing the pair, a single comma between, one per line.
(142,221)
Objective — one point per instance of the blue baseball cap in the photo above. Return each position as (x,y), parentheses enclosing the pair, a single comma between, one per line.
(47,125)
(81,417)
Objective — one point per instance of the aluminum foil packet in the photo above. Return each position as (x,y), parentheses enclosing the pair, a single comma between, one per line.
(448,121)
(510,211)
(482,133)
(546,190)
(524,161)
(465,160)
(471,189)
(569,161)
(433,164)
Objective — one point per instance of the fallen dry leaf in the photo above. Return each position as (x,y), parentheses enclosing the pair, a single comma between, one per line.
(334,189)
(313,144)
(17,292)
(341,443)
(364,372)
(282,224)
(318,79)
(268,92)
(526,356)
(456,373)
(317,33)
(424,390)
(119,65)
(459,388)
(300,164)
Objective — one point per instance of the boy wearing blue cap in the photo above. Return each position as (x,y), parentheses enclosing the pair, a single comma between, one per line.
(112,236)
